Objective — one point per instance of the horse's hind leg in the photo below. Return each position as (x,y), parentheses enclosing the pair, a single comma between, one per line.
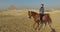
(50,26)
(52,29)
(49,23)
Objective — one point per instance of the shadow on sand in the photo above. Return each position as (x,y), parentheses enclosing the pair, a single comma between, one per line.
(53,30)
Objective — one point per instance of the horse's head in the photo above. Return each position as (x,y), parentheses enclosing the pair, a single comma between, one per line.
(33,14)
(29,14)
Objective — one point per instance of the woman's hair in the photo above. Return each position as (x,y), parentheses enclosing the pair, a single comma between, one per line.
(42,4)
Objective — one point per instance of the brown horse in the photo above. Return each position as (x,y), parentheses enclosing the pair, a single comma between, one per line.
(36,18)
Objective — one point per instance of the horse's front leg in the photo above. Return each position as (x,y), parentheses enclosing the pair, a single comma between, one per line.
(34,24)
(37,25)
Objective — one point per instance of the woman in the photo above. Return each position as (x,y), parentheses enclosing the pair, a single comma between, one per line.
(41,12)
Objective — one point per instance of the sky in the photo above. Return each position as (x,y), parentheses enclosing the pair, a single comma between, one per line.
(49,4)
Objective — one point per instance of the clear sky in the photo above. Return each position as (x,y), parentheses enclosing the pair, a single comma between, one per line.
(49,4)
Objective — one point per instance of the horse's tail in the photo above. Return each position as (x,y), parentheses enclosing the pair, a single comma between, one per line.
(49,19)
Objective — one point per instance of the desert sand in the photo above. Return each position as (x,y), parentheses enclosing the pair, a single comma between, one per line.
(18,21)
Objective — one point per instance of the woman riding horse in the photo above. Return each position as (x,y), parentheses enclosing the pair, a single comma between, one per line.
(41,13)
(44,18)
(37,19)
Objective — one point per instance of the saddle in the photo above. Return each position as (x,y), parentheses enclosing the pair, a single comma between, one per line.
(44,18)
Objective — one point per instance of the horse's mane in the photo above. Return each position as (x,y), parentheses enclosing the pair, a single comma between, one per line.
(34,12)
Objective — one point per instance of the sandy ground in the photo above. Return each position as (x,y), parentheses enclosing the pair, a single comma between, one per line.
(19,22)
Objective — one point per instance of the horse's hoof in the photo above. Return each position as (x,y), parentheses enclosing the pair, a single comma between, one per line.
(38,29)
(35,28)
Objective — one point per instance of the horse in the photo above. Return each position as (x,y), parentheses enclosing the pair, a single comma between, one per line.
(36,17)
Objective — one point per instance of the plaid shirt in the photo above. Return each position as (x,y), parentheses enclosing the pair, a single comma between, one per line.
(42,10)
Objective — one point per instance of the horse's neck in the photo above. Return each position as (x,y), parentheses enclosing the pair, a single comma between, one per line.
(34,15)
